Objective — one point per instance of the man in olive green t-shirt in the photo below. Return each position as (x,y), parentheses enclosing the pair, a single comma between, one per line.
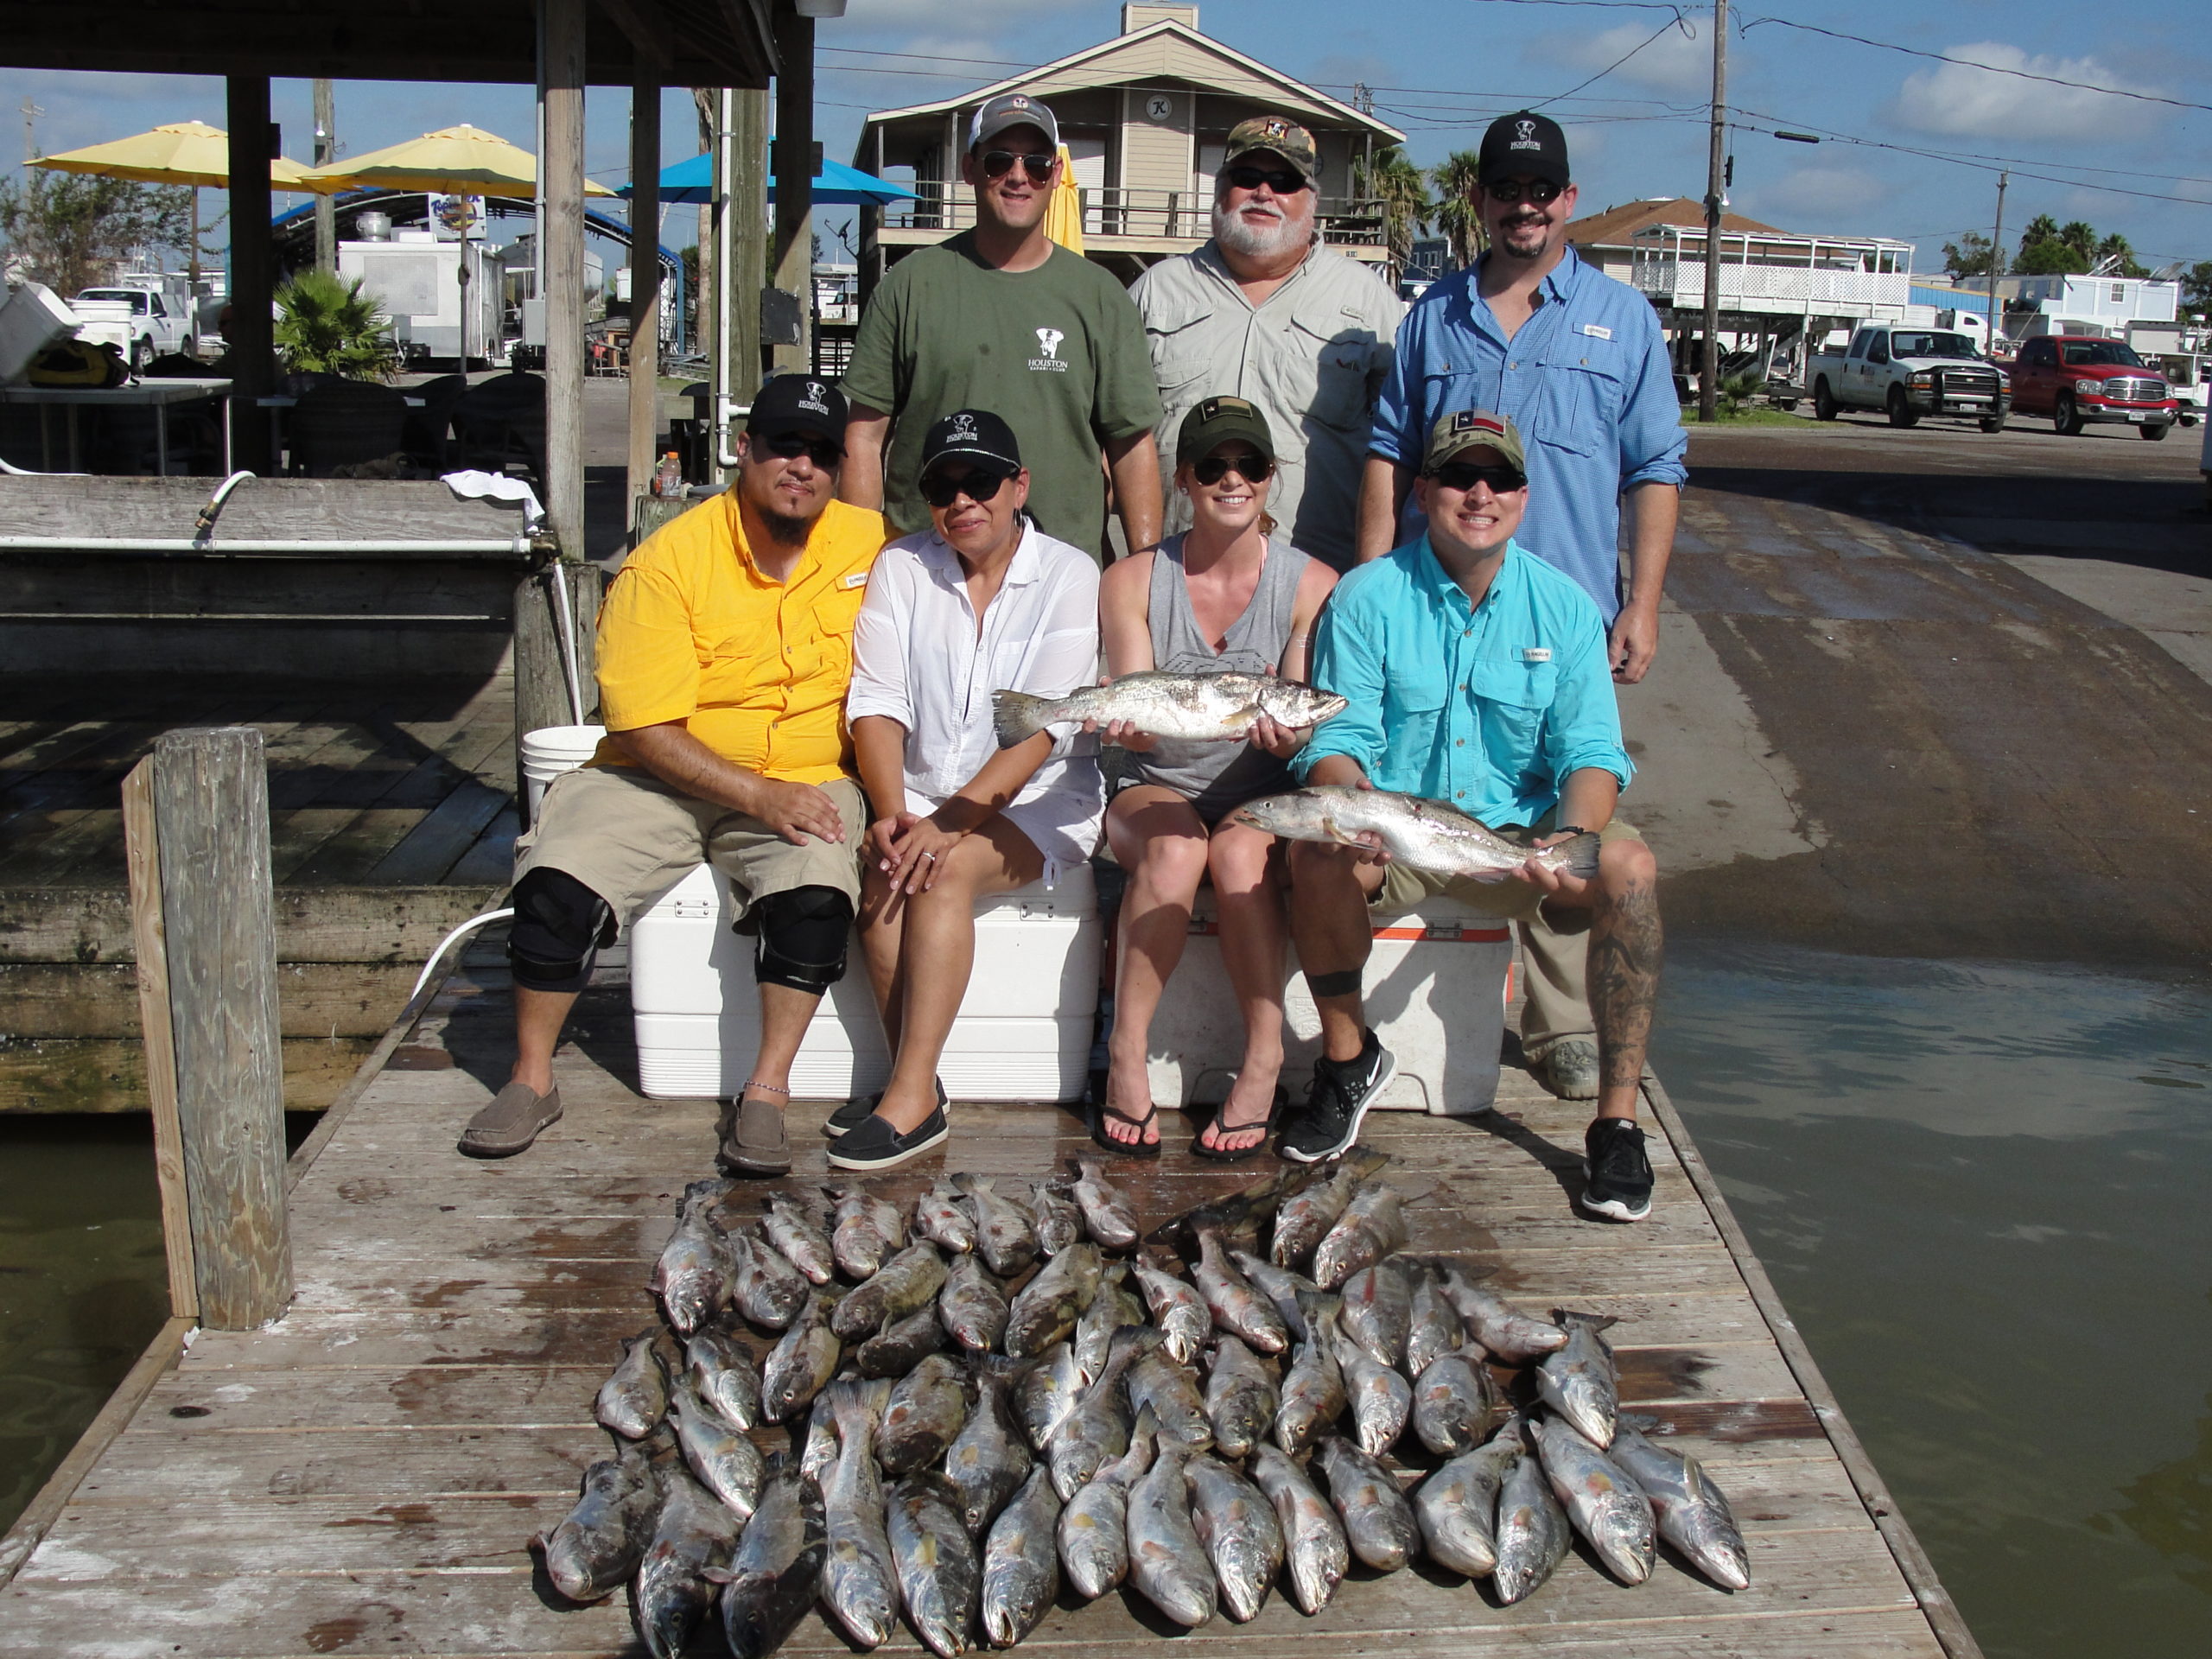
(1004,319)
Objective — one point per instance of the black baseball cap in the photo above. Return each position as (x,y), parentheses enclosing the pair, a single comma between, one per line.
(1524,144)
(1216,420)
(797,403)
(976,436)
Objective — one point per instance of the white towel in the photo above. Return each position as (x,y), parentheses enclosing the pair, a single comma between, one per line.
(498,487)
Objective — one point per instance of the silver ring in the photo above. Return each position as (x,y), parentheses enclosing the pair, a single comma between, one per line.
(930,857)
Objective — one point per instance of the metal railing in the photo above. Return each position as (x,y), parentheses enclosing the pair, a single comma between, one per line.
(1110,211)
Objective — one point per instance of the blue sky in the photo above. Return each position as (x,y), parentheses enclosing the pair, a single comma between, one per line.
(1442,68)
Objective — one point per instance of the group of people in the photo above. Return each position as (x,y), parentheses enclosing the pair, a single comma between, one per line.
(1418,511)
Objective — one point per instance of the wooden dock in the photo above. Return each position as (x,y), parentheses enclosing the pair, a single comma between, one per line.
(362,1475)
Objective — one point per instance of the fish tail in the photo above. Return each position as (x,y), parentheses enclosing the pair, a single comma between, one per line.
(1578,855)
(1017,716)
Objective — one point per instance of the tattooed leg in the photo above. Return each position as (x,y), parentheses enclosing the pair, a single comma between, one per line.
(1625,952)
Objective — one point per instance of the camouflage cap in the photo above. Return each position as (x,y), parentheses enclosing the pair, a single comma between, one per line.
(1473,429)
(1271,132)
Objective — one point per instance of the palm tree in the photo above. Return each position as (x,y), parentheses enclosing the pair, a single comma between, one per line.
(1392,179)
(1455,178)
(328,326)
(2041,229)
(2080,236)
(2116,249)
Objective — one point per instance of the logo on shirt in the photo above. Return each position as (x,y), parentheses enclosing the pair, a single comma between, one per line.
(1048,342)
(1597,330)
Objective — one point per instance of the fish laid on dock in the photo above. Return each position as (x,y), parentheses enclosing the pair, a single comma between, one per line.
(598,1545)
(694,1537)
(1430,835)
(1195,708)
(1693,1514)
(775,1574)
(1579,1381)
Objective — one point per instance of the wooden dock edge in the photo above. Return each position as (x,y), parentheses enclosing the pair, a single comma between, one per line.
(170,1343)
(1942,1613)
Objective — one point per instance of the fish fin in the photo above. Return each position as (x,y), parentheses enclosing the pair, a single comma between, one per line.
(1567,1316)
(1578,855)
(1015,717)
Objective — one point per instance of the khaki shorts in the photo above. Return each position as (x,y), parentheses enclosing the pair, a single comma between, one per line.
(1511,899)
(630,837)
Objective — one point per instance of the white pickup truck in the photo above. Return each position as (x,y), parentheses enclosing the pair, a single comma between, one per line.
(140,323)
(1909,372)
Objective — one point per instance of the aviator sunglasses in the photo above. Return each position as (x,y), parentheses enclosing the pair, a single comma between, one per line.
(997,163)
(1283,182)
(1463,475)
(1540,191)
(789,446)
(1253,469)
(939,491)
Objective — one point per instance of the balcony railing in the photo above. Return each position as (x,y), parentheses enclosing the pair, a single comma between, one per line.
(1172,214)
(1682,283)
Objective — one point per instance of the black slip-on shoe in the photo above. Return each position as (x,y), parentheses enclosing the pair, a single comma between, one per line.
(876,1145)
(1620,1173)
(853,1113)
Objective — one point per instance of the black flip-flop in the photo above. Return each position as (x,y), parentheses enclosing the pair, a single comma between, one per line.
(1238,1155)
(1139,1149)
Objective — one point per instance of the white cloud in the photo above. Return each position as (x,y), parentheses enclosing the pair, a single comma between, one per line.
(1962,98)
(1817,198)
(1675,62)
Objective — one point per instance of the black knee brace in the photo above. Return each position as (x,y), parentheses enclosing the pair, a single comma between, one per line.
(559,927)
(804,932)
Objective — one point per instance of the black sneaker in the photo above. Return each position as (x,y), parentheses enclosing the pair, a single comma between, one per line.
(876,1145)
(853,1113)
(1336,1102)
(1619,1175)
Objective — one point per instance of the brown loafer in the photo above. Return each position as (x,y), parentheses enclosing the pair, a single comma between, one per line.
(753,1139)
(517,1116)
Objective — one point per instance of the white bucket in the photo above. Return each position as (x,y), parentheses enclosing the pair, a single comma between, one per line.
(550,751)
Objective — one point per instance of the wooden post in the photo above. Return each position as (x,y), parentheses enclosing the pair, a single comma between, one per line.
(253,261)
(561,271)
(142,860)
(748,240)
(541,679)
(210,799)
(644,280)
(794,166)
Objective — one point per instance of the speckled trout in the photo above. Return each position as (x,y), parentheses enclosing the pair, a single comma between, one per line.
(1201,708)
(1428,834)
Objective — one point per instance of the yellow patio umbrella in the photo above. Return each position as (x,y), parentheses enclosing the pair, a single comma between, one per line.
(179,152)
(462,160)
(1064,213)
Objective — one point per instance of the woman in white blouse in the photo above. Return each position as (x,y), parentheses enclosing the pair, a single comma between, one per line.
(983,601)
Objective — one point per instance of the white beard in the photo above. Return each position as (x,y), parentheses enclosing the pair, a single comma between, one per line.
(1262,241)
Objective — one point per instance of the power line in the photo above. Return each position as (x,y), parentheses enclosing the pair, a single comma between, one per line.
(1676,22)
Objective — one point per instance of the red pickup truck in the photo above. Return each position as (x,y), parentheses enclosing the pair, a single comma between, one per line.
(2077,378)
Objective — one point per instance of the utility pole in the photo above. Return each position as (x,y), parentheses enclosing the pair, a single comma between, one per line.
(1709,387)
(31,113)
(1997,260)
(326,151)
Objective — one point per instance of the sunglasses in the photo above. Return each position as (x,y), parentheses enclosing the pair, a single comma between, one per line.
(941,491)
(1253,469)
(1463,475)
(997,163)
(1539,191)
(789,446)
(1283,182)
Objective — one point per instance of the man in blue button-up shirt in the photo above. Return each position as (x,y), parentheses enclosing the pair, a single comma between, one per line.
(1476,674)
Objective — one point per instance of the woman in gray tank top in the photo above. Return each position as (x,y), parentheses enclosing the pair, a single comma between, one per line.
(1222,596)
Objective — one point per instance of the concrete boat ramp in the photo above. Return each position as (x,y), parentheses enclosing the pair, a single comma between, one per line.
(362,1475)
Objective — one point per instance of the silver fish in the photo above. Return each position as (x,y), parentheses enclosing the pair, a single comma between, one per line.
(818,1455)
(793,1228)
(1306,1216)
(900,1346)
(1603,1501)
(1006,1233)
(1021,1562)
(1170,1389)
(1279,1285)
(1232,1303)
(1434,1327)
(1693,1514)
(1047,1392)
(1381,1400)
(988,1460)
(863,1229)
(727,1463)
(1533,1535)
(907,1281)
(941,1216)
(1114,1306)
(1097,1430)
(1457,1507)
(1434,836)
(1177,1309)
(801,1363)
(928,1406)
(1242,1397)
(778,1562)
(939,1578)
(1456,1402)
(1108,1214)
(972,1306)
(693,1535)
(1313,1538)
(1512,1336)
(693,1277)
(1372,1227)
(1167,1564)
(1378,1310)
(1378,1521)
(1313,1387)
(1059,1221)
(1049,1305)
(1094,1529)
(1580,1381)
(721,1368)
(1196,708)
(595,1548)
(635,1398)
(860,1580)
(770,1290)
(1237,1524)
(1237,1216)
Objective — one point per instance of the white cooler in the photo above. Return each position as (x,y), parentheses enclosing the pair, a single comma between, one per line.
(1436,988)
(1024,1030)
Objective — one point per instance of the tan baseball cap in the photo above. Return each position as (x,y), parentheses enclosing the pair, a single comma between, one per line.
(1271,132)
(1473,429)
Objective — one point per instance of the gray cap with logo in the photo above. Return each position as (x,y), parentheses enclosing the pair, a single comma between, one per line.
(1012,110)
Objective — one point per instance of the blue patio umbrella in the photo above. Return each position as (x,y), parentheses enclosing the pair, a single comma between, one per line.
(835,186)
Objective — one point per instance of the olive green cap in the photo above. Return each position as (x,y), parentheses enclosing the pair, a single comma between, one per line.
(1271,132)
(1473,429)
(1214,421)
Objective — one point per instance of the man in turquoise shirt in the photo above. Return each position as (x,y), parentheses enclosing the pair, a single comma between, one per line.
(1476,674)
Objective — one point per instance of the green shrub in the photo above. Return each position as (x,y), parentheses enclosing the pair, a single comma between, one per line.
(326,325)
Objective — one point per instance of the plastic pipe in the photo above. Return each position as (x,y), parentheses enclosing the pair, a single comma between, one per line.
(446,944)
